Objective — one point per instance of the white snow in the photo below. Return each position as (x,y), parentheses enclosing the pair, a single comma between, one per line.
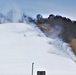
(21,44)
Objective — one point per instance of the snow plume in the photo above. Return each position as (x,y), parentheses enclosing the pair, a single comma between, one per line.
(63,49)
(54,31)
(12,12)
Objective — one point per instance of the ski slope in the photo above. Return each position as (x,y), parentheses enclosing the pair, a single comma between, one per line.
(22,44)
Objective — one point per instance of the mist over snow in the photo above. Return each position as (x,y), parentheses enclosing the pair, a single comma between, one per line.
(12,11)
(22,41)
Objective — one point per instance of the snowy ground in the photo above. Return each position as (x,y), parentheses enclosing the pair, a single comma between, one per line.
(22,44)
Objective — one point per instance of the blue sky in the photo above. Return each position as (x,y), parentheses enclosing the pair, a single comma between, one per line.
(32,7)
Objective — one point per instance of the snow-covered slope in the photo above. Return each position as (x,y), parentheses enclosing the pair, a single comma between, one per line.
(22,44)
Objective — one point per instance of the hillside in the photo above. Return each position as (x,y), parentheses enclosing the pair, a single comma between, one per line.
(21,44)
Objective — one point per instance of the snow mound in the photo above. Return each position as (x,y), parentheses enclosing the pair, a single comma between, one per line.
(21,44)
